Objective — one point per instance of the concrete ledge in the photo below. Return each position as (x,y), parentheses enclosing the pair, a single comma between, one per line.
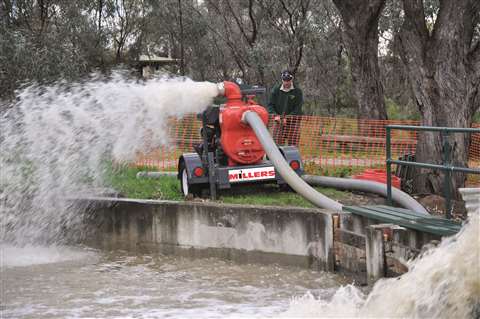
(293,236)
(355,245)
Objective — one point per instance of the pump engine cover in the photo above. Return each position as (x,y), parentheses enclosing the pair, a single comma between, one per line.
(238,139)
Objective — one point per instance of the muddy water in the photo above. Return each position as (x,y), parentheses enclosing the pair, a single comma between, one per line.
(59,282)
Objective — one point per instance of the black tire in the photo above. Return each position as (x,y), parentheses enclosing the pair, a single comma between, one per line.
(286,188)
(185,187)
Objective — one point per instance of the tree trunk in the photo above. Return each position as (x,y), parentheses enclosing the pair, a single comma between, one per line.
(444,73)
(6,12)
(100,12)
(182,38)
(360,20)
(118,55)
(99,33)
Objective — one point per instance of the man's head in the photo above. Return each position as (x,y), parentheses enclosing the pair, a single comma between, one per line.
(287,75)
(287,78)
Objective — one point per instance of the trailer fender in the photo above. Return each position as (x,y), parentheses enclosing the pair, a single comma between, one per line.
(291,153)
(191,161)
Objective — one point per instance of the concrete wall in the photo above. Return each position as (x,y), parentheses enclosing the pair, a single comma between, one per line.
(293,236)
(318,239)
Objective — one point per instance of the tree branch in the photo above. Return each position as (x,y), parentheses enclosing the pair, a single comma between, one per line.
(253,38)
(25,16)
(239,23)
(299,59)
(378,8)
(100,10)
(474,49)
(7,9)
(224,36)
(272,17)
(290,16)
(472,20)
(415,18)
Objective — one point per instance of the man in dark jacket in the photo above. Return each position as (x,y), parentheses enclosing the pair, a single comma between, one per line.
(286,100)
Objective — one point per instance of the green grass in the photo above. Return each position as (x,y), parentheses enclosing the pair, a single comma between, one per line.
(271,195)
(123,179)
(312,168)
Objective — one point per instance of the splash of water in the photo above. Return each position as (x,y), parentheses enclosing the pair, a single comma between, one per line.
(29,255)
(442,283)
(55,141)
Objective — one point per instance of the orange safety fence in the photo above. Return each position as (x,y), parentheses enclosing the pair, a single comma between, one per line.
(323,141)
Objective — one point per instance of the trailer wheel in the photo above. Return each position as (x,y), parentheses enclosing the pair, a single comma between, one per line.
(185,187)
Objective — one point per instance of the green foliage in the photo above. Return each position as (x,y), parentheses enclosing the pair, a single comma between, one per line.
(476,117)
(398,112)
(42,56)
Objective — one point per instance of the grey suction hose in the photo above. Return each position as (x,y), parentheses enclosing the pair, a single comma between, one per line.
(295,182)
(145,174)
(401,198)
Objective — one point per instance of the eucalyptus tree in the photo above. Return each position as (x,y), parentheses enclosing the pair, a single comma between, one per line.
(393,73)
(289,25)
(441,53)
(43,41)
(236,26)
(125,21)
(360,30)
(327,83)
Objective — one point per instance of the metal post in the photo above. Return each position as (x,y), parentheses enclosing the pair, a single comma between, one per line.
(446,161)
(389,167)
(212,178)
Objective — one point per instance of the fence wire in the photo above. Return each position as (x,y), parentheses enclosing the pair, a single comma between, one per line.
(323,141)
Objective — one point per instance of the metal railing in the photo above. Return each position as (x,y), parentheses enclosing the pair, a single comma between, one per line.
(446,158)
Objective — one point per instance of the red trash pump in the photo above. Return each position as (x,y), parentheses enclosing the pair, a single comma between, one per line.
(231,152)
(238,140)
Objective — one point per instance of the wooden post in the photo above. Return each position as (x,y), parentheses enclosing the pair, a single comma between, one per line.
(375,253)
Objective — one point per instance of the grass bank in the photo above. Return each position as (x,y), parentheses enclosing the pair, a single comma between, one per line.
(123,179)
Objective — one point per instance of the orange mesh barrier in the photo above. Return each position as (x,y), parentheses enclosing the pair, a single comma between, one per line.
(474,151)
(324,141)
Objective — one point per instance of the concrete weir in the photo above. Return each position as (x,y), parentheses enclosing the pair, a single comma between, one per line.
(291,236)
(363,247)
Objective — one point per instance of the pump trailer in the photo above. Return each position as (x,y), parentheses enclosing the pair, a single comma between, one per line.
(230,152)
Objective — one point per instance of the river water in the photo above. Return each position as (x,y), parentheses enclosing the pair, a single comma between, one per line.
(77,282)
(60,282)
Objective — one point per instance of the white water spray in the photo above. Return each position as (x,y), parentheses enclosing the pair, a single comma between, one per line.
(55,141)
(442,283)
